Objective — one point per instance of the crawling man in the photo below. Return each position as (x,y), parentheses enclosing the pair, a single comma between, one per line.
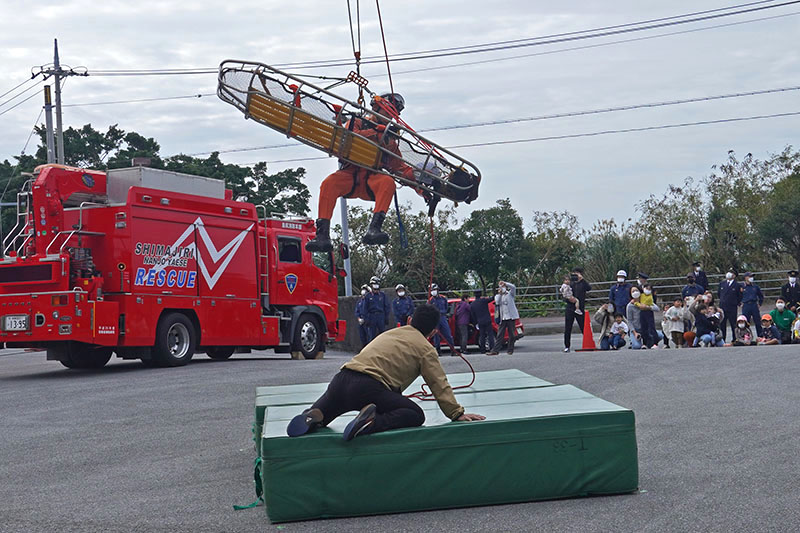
(372,383)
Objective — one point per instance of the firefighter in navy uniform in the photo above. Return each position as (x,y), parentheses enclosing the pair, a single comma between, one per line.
(377,307)
(790,292)
(351,181)
(361,316)
(402,306)
(440,303)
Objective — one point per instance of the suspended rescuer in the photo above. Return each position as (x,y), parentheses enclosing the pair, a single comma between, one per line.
(351,181)
(372,383)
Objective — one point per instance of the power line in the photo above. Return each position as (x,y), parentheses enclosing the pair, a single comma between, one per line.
(630,107)
(585,134)
(19,103)
(26,90)
(494,46)
(587,46)
(18,86)
(156,99)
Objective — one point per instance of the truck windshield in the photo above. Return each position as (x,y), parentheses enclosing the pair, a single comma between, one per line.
(323,260)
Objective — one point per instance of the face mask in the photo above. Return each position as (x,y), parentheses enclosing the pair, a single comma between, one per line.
(375,286)
(503,290)
(729,275)
(648,291)
(707,298)
(434,293)
(742,324)
(749,280)
(363,292)
(401,293)
(610,308)
(780,306)
(697,269)
(792,279)
(621,280)
(636,294)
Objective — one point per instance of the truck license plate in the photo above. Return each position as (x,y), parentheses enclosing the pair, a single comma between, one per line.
(15,323)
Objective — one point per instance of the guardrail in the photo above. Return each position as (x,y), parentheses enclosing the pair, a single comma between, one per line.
(545,300)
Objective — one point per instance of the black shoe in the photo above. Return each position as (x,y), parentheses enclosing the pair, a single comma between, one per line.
(374,234)
(322,242)
(306,422)
(361,424)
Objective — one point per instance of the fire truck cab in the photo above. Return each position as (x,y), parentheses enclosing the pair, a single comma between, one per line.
(156,265)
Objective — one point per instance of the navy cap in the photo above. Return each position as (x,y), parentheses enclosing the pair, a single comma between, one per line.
(748,274)
(696,263)
(643,275)
(793,273)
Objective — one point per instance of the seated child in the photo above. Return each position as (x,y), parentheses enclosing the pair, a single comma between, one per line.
(566,293)
(743,335)
(769,333)
(619,330)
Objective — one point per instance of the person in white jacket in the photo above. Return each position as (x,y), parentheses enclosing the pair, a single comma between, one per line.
(507,311)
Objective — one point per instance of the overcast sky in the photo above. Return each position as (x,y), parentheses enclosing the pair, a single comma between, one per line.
(592,177)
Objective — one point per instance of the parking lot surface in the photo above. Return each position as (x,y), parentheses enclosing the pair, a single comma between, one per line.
(129,448)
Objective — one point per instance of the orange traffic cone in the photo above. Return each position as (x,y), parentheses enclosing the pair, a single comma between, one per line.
(588,338)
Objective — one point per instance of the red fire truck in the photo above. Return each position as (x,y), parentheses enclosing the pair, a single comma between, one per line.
(157,265)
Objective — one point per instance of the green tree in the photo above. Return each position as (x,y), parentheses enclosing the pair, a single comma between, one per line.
(488,243)
(554,247)
(779,231)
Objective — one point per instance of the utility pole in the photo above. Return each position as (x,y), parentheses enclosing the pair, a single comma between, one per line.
(48,122)
(58,73)
(348,279)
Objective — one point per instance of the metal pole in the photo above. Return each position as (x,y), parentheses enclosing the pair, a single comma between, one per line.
(348,280)
(48,121)
(59,128)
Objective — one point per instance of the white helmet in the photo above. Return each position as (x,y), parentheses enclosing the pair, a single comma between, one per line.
(434,287)
(374,279)
(399,286)
(622,273)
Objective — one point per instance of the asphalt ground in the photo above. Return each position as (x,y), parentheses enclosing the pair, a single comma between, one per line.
(129,448)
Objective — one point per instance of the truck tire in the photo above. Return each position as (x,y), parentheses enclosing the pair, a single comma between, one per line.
(307,336)
(84,357)
(220,352)
(175,340)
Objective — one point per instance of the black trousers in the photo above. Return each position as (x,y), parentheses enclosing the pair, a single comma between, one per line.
(506,326)
(350,391)
(569,318)
(730,318)
(485,332)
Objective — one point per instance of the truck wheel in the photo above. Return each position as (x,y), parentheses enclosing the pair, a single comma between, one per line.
(220,352)
(84,357)
(175,340)
(307,336)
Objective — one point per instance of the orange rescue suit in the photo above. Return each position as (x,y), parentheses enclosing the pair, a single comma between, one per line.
(356,182)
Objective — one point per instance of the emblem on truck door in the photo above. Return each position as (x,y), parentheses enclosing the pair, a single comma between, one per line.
(291,282)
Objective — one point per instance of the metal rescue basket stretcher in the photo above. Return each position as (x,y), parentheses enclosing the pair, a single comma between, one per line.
(319,118)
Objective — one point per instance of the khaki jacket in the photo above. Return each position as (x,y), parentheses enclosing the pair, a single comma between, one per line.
(397,357)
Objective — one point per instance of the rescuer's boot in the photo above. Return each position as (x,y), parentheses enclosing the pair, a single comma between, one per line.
(322,242)
(374,234)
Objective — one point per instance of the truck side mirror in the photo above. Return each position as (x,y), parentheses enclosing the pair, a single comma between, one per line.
(344,251)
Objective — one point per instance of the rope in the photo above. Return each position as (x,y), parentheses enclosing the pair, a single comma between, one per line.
(425,394)
(385,51)
(356,51)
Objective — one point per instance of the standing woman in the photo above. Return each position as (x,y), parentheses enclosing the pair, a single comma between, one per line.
(579,289)
(507,309)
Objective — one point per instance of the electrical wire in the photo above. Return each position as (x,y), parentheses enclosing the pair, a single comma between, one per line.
(26,90)
(33,130)
(630,107)
(497,45)
(18,104)
(18,86)
(156,99)
(578,135)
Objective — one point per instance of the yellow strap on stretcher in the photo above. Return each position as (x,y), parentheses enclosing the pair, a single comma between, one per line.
(327,136)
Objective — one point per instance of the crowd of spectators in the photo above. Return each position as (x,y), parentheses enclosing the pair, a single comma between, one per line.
(730,316)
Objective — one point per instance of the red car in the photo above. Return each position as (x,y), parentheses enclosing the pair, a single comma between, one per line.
(473,332)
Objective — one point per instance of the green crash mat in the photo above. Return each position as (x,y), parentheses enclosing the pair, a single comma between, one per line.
(303,395)
(539,442)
